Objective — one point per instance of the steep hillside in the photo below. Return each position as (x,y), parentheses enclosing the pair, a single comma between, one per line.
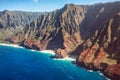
(14,21)
(91,33)
(58,30)
(100,33)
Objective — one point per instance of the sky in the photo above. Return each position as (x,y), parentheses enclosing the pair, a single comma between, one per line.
(43,5)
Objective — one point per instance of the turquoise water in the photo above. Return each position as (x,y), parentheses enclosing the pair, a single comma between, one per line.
(23,64)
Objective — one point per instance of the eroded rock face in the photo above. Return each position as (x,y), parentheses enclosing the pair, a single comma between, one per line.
(92,33)
(12,22)
(59,30)
(113,72)
(100,48)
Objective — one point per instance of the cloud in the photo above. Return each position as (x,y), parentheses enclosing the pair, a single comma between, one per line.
(36,1)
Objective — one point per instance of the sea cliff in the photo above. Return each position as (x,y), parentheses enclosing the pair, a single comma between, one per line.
(90,33)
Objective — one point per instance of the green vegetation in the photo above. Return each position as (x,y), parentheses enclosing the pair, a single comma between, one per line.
(3,41)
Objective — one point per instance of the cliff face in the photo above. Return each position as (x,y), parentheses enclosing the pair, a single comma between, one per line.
(101,36)
(59,30)
(14,21)
(92,33)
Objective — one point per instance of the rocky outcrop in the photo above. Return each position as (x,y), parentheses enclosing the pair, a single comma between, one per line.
(14,21)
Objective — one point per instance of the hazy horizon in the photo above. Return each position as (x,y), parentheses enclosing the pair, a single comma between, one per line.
(43,5)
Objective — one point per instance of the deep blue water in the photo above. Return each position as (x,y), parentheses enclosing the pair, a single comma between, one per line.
(24,64)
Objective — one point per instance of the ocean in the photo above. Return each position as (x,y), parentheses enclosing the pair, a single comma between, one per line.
(18,63)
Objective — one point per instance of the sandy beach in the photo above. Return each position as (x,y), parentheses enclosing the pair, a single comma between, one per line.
(48,51)
(66,58)
(12,45)
(17,46)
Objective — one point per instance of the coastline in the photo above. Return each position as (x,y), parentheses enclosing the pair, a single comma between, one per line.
(66,59)
(43,51)
(92,70)
(17,46)
(48,51)
(11,45)
(40,51)
(53,53)
(100,73)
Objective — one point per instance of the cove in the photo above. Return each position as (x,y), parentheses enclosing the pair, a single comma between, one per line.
(23,64)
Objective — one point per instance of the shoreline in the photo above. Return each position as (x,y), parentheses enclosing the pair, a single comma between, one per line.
(92,70)
(11,45)
(43,51)
(17,46)
(48,51)
(100,73)
(53,53)
(66,59)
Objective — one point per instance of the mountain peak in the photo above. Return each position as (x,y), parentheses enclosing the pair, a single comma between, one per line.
(6,12)
(69,5)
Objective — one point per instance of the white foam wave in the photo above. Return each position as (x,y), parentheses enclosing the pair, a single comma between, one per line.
(11,45)
(101,74)
(17,46)
(66,59)
(90,70)
(33,50)
(48,52)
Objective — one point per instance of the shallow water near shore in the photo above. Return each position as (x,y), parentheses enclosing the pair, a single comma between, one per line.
(24,64)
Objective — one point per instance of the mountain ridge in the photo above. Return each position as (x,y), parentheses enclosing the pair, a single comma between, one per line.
(90,33)
(57,20)
(14,21)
